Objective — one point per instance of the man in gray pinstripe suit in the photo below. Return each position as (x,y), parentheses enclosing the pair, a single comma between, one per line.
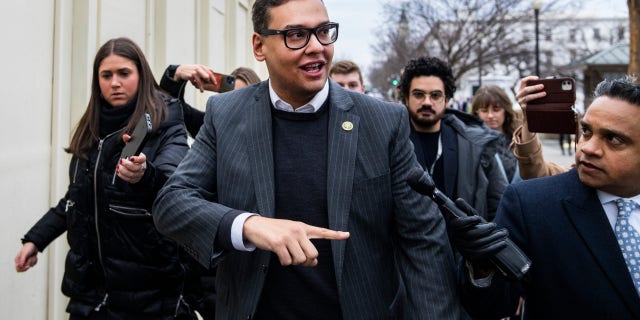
(295,189)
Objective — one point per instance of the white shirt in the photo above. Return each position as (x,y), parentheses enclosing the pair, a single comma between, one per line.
(310,107)
(237,239)
(608,202)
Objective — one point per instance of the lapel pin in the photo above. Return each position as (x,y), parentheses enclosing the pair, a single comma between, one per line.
(347,126)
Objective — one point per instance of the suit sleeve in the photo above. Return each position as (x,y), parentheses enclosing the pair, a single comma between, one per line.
(185,208)
(425,256)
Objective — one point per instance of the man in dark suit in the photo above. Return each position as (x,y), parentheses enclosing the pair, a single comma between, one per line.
(570,227)
(456,148)
(295,188)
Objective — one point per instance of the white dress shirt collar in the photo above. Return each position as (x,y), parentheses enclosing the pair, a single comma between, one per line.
(310,107)
(609,205)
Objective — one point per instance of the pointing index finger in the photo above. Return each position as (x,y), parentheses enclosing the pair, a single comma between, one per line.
(322,233)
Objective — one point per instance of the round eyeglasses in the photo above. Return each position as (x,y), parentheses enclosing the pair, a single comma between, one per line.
(298,38)
(435,96)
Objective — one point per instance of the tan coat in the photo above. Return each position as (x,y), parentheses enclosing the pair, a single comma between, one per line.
(530,159)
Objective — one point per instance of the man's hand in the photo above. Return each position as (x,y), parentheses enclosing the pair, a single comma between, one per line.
(290,240)
(200,76)
(475,238)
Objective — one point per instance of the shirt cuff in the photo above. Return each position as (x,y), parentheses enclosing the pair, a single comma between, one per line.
(237,238)
(479,283)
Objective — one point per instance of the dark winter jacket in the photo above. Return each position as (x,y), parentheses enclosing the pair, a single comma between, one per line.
(477,178)
(193,118)
(117,258)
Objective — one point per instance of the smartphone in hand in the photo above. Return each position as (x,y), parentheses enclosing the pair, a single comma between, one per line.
(224,83)
(139,137)
(555,112)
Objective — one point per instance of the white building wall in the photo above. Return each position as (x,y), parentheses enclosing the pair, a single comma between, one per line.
(48,51)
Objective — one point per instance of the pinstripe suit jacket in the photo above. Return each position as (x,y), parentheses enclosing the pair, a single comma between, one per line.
(397,262)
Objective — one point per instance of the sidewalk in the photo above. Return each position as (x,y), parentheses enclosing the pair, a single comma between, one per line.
(552,153)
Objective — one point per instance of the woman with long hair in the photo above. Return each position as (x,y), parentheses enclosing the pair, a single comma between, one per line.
(118,265)
(493,106)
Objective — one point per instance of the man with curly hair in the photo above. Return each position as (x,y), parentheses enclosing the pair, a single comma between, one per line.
(456,148)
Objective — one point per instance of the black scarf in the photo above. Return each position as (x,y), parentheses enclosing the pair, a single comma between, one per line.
(115,118)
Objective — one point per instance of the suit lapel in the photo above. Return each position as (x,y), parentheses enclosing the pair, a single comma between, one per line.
(342,146)
(260,151)
(587,216)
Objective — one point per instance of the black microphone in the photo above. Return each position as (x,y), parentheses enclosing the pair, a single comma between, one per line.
(510,261)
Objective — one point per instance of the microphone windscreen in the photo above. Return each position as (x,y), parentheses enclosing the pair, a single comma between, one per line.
(420,181)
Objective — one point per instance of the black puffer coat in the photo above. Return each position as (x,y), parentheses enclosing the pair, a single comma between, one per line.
(117,258)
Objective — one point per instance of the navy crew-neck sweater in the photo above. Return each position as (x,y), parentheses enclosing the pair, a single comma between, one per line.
(300,164)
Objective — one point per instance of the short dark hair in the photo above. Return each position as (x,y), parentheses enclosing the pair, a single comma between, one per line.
(260,13)
(627,89)
(428,66)
(345,67)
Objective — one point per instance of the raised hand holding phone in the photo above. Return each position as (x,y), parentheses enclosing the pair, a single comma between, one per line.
(133,162)
(138,137)
(203,78)
(199,75)
(132,170)
(554,112)
(223,83)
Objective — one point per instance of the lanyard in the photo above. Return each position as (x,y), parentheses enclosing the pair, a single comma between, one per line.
(438,154)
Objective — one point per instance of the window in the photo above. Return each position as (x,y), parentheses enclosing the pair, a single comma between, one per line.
(572,35)
(596,34)
(573,54)
(621,31)
(548,34)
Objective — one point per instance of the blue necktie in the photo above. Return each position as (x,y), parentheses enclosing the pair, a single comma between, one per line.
(629,239)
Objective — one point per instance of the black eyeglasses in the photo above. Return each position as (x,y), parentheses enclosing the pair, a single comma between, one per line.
(298,38)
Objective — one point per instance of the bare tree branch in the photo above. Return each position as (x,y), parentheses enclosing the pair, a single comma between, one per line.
(471,35)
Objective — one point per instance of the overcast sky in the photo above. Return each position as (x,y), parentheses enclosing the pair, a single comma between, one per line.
(358,20)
